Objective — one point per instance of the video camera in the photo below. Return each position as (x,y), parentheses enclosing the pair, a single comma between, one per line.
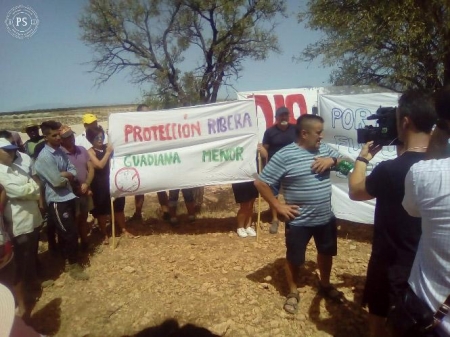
(385,133)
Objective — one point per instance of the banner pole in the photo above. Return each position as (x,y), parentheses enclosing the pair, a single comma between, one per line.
(258,169)
(318,112)
(113,224)
(258,221)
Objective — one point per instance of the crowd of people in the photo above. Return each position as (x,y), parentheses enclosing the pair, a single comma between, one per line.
(60,179)
(51,179)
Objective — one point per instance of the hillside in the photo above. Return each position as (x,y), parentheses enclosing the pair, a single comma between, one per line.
(71,116)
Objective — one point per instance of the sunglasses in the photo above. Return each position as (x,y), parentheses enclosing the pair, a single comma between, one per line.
(101,137)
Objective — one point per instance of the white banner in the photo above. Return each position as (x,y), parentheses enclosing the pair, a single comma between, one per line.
(180,148)
(343,114)
(299,101)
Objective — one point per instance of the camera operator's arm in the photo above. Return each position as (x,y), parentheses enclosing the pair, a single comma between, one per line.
(357,179)
(410,203)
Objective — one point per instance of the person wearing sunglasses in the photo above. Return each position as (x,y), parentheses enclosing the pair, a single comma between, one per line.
(100,154)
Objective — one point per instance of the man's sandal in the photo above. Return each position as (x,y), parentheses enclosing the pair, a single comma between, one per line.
(331,293)
(291,303)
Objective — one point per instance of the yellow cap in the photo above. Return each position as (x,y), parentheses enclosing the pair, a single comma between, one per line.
(89,118)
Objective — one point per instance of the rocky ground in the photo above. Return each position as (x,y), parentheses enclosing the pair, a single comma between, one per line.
(202,273)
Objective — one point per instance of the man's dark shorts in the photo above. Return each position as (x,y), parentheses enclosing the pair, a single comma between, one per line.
(384,283)
(297,238)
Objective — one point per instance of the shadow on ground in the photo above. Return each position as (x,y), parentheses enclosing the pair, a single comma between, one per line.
(306,275)
(171,327)
(341,320)
(47,320)
(153,226)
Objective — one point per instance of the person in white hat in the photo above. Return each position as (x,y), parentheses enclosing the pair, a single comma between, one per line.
(7,266)
(22,211)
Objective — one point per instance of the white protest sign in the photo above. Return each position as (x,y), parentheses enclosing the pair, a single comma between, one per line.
(299,101)
(343,114)
(181,148)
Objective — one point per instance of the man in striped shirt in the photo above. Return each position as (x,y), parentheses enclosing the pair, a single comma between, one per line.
(303,171)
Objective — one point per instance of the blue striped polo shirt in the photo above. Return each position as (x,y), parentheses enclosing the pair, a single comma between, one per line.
(291,167)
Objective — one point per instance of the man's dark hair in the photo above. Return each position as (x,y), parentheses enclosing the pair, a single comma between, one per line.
(442,103)
(304,120)
(419,108)
(5,134)
(48,126)
(93,132)
(141,107)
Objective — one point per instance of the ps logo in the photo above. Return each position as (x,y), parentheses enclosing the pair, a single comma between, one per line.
(22,22)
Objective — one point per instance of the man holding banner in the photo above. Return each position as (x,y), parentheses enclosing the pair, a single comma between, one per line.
(396,234)
(275,138)
(302,169)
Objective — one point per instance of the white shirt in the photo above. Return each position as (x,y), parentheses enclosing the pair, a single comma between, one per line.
(25,162)
(427,195)
(81,140)
(21,208)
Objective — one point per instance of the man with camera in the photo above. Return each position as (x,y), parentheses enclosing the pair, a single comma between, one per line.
(427,195)
(396,234)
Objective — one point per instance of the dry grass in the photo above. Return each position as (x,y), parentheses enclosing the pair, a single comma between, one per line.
(16,121)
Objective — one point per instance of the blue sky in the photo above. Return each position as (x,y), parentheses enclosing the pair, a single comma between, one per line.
(48,70)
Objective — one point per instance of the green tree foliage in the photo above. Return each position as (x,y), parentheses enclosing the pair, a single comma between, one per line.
(186,49)
(394,44)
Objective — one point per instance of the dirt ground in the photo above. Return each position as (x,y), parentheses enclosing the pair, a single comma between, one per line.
(202,273)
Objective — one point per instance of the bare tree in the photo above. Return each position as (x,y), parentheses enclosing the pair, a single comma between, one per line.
(186,49)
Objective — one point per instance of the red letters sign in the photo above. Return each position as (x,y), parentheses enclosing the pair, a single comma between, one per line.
(262,101)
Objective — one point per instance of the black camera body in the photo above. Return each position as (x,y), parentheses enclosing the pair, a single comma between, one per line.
(385,133)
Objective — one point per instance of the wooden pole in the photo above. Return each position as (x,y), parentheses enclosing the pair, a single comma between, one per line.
(258,221)
(113,224)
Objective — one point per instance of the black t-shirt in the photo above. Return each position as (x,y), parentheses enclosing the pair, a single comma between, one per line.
(277,138)
(396,234)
